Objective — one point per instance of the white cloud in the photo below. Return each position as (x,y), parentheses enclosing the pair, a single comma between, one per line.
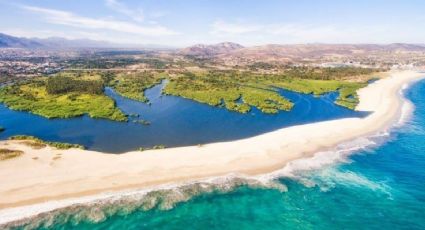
(135,14)
(70,19)
(256,34)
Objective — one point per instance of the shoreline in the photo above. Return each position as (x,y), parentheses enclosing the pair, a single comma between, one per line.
(252,156)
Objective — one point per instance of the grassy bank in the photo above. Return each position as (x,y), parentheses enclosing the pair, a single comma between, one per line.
(240,91)
(347,90)
(220,89)
(75,94)
(133,85)
(38,143)
(61,97)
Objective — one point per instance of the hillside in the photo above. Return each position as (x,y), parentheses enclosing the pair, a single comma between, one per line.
(7,41)
(202,50)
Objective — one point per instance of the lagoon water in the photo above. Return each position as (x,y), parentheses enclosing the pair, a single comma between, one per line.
(381,187)
(175,121)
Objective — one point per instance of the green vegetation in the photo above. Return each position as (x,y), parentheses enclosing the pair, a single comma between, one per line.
(159,147)
(133,85)
(6,154)
(226,89)
(153,148)
(239,91)
(338,73)
(109,61)
(72,94)
(347,90)
(261,65)
(58,145)
(63,85)
(62,97)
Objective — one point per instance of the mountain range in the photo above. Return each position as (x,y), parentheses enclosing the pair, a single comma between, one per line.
(203,50)
(8,41)
(224,49)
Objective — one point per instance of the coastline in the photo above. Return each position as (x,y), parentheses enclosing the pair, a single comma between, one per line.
(252,156)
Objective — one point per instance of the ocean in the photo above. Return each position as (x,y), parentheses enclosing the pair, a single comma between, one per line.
(371,183)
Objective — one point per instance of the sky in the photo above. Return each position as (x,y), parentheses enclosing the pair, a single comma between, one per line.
(179,23)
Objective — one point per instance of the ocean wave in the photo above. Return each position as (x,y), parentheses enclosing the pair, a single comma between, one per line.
(407,108)
(322,168)
(330,177)
(319,170)
(98,208)
(342,152)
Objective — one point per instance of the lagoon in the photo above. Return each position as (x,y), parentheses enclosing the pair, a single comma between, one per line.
(174,121)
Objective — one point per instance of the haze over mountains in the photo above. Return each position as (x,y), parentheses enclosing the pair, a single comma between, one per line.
(7,41)
(233,53)
(211,50)
(228,48)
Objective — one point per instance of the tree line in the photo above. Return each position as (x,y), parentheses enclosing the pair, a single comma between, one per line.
(62,85)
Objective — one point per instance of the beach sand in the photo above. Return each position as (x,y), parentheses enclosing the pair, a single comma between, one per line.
(47,174)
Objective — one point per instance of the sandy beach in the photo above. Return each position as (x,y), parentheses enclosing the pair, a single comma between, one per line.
(47,174)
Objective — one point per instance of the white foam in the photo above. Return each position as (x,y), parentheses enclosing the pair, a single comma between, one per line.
(406,109)
(328,178)
(223,183)
(294,170)
(341,153)
(322,159)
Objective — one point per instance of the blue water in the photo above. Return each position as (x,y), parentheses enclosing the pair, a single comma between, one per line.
(175,121)
(378,188)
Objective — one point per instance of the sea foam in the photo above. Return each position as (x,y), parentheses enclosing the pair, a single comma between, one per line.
(313,171)
(98,208)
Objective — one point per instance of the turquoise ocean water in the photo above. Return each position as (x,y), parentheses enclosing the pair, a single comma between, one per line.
(379,187)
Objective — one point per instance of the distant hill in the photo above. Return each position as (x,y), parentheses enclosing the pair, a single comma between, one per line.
(58,42)
(226,50)
(7,41)
(294,53)
(203,50)
(323,49)
(286,53)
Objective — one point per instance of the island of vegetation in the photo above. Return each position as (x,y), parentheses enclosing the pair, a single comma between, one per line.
(38,143)
(132,85)
(62,96)
(240,91)
(71,94)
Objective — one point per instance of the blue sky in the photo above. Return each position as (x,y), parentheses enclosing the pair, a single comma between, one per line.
(249,22)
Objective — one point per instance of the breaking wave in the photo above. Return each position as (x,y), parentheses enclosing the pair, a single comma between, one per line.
(319,170)
(97,209)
